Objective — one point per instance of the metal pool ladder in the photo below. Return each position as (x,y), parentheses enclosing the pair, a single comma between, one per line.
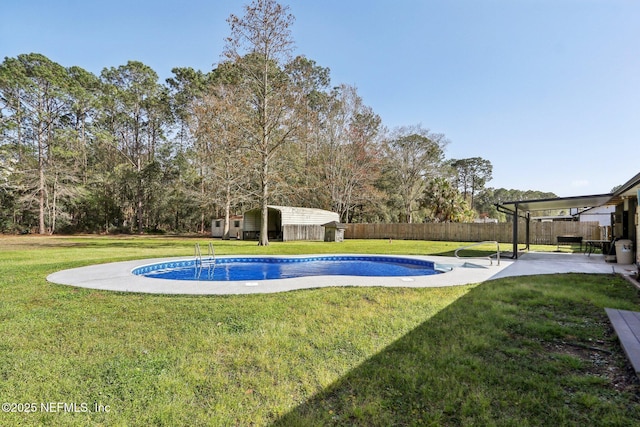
(489,257)
(210,261)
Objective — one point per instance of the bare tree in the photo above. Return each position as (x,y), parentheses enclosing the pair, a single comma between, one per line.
(217,125)
(351,152)
(260,45)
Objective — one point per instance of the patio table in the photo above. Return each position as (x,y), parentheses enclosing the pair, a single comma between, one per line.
(592,244)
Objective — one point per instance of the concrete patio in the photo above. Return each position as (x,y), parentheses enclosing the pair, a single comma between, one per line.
(118,276)
(529,263)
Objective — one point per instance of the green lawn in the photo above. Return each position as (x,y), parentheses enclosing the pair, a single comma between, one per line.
(528,351)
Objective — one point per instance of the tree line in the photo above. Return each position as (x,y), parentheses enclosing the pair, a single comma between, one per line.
(123,152)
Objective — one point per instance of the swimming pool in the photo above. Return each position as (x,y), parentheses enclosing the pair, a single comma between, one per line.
(269,268)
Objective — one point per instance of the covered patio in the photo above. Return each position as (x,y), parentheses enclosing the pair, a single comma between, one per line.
(625,199)
(522,209)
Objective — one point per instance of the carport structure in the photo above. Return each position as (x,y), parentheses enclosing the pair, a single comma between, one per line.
(523,208)
(625,199)
(288,223)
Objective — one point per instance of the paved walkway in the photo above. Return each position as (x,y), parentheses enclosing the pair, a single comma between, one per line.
(118,276)
(558,262)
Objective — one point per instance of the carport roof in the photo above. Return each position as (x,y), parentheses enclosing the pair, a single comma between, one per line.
(628,189)
(562,202)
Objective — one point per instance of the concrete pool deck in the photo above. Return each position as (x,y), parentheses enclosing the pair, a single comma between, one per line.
(118,277)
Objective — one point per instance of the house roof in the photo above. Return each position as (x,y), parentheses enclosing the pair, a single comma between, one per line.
(629,188)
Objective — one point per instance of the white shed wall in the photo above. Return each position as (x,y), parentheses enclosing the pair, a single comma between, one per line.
(217,227)
(305,216)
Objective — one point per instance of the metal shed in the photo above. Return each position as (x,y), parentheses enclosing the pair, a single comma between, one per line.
(235,226)
(334,231)
(289,223)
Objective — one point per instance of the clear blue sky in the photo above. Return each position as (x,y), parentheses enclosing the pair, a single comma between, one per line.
(547,90)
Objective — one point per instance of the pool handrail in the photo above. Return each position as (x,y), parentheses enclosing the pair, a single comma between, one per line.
(211,264)
(212,261)
(197,261)
(478,244)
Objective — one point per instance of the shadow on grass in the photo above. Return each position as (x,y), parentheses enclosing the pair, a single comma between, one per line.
(527,352)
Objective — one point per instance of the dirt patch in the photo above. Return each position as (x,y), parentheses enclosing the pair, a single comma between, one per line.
(602,358)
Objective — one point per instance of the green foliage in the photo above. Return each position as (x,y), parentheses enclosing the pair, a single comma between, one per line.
(124,152)
(486,200)
(445,202)
(526,351)
(471,175)
(413,155)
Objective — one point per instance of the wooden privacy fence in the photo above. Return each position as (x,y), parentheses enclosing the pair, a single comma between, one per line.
(541,233)
(302,232)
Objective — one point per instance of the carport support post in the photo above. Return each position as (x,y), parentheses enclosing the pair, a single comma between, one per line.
(528,231)
(515,231)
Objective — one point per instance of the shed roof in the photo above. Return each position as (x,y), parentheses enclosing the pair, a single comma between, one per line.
(298,215)
(335,224)
(299,210)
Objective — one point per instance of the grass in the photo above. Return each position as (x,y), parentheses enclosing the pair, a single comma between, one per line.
(521,351)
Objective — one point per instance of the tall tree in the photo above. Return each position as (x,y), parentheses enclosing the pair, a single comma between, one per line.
(471,176)
(302,178)
(12,150)
(84,92)
(75,152)
(135,115)
(188,87)
(218,130)
(413,154)
(260,44)
(35,88)
(351,152)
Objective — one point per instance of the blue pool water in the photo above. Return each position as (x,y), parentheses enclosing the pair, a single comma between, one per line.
(244,268)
